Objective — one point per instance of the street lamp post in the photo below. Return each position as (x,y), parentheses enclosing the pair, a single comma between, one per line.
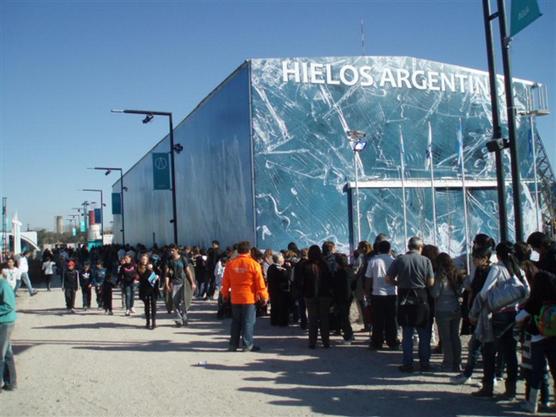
(108,170)
(173,148)
(358,145)
(101,209)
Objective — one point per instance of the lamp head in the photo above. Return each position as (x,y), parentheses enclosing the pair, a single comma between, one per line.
(108,171)
(148,118)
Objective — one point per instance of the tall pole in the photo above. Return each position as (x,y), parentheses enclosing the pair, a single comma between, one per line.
(431,161)
(510,109)
(122,205)
(101,209)
(172,160)
(496,129)
(464,190)
(402,177)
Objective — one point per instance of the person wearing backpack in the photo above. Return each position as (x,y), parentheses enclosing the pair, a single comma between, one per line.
(540,311)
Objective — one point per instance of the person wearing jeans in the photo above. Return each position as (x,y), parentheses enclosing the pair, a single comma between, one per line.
(23,266)
(413,273)
(180,284)
(244,277)
(8,378)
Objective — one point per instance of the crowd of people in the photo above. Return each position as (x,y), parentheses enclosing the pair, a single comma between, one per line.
(508,296)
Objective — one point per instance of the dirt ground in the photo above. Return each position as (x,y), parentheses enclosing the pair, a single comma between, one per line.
(91,364)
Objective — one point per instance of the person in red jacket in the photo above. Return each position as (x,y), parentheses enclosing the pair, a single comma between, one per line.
(244,277)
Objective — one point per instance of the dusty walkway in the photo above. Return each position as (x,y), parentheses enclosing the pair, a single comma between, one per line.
(95,365)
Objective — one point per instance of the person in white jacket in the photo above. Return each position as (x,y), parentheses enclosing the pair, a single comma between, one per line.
(23,266)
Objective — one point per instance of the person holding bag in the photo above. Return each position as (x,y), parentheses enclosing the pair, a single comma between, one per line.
(495,309)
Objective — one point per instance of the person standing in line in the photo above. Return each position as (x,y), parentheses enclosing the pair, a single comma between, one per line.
(244,277)
(70,285)
(297,289)
(213,256)
(278,276)
(383,298)
(180,283)
(8,377)
(447,289)
(412,273)
(315,281)
(128,276)
(48,270)
(11,273)
(546,248)
(344,286)
(23,266)
(86,283)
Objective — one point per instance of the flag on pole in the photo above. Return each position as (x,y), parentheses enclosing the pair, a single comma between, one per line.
(459,136)
(523,13)
(428,160)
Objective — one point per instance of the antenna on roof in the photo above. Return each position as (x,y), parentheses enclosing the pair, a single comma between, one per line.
(363,38)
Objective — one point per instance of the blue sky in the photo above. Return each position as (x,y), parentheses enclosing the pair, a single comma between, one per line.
(65,64)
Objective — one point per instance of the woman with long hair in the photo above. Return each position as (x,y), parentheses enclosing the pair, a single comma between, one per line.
(501,322)
(148,289)
(448,285)
(316,286)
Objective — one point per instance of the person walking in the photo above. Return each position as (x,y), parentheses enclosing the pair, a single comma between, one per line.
(412,273)
(23,266)
(244,277)
(148,289)
(48,270)
(8,377)
(128,276)
(180,283)
(447,289)
(70,284)
(315,281)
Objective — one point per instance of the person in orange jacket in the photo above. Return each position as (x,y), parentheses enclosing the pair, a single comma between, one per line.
(244,277)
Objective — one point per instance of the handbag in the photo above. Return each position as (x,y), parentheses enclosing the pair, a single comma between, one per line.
(510,292)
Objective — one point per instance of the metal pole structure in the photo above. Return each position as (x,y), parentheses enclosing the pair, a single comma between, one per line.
(101,209)
(510,109)
(122,188)
(431,161)
(402,177)
(496,129)
(535,176)
(464,189)
(173,148)
(5,240)
(173,173)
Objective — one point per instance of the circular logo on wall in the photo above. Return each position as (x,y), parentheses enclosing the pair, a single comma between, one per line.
(160,163)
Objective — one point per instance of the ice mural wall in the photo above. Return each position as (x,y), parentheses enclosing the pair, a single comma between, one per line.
(301,109)
(266,157)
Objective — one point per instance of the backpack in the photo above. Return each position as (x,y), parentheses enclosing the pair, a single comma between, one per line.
(546,320)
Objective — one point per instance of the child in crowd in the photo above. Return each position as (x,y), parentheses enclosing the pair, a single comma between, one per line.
(99,275)
(70,285)
(86,282)
(107,287)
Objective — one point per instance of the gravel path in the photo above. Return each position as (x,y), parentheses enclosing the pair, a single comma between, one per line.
(90,364)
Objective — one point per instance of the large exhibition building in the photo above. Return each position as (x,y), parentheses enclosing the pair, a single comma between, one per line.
(266,158)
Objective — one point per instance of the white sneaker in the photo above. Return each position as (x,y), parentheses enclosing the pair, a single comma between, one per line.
(132,310)
(461,379)
(127,313)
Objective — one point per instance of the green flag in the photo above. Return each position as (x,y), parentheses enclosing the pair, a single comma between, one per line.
(524,12)
(161,171)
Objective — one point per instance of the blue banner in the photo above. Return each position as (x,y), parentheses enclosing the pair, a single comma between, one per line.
(98,216)
(524,12)
(82,226)
(161,171)
(116,203)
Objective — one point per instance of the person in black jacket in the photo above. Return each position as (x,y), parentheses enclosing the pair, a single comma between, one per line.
(543,347)
(127,276)
(316,283)
(71,285)
(278,287)
(344,286)
(148,289)
(86,283)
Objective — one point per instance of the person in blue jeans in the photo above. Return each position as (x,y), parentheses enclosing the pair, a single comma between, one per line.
(8,378)
(412,273)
